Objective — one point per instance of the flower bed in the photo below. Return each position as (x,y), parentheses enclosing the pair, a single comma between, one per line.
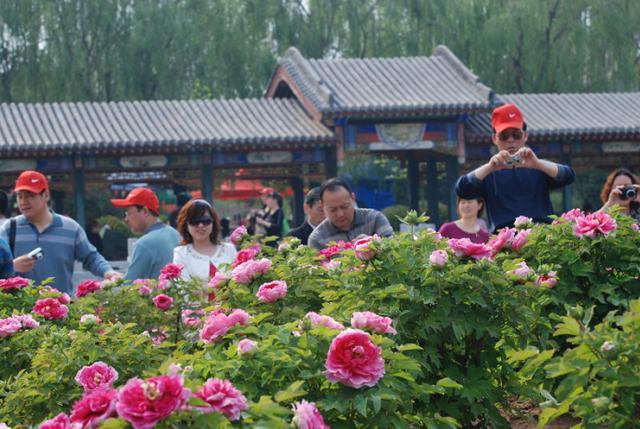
(411,331)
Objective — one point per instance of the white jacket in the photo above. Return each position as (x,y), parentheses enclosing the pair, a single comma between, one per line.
(197,265)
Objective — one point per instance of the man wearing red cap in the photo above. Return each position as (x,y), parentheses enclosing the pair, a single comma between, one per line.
(61,239)
(154,249)
(514,182)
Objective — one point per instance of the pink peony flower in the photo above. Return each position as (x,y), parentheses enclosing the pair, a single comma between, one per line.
(171,271)
(222,397)
(334,250)
(248,254)
(61,421)
(247,271)
(326,321)
(26,321)
(520,239)
(272,291)
(572,215)
(217,279)
(354,360)
(548,280)
(523,270)
(13,283)
(188,318)
(504,238)
(95,407)
(465,247)
(86,287)
(215,328)
(307,416)
(607,346)
(144,290)
(50,308)
(363,248)
(238,317)
(246,346)
(593,224)
(238,234)
(163,302)
(64,299)
(143,403)
(372,322)
(9,326)
(438,258)
(523,222)
(98,374)
(635,227)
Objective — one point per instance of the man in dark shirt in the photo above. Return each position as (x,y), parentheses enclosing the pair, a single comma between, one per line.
(314,215)
(344,221)
(514,182)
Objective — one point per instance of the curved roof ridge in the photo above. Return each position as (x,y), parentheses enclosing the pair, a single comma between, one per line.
(446,54)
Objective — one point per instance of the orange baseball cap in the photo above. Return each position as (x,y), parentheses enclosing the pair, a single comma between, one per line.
(506,116)
(31,181)
(144,197)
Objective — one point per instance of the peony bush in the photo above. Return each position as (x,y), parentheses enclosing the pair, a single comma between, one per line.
(412,331)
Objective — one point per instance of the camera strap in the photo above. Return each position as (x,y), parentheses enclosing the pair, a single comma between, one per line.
(12,236)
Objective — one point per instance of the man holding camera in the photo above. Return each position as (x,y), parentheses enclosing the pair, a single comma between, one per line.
(48,243)
(514,182)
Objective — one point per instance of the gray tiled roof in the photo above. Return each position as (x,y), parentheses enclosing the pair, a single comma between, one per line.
(99,127)
(437,85)
(569,116)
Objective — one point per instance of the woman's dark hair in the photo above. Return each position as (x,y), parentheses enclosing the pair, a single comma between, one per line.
(480,200)
(195,209)
(608,184)
(277,197)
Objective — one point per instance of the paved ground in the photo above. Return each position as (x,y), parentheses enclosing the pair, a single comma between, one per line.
(79,274)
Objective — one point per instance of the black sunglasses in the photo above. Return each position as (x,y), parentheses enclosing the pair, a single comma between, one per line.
(206,221)
(516,134)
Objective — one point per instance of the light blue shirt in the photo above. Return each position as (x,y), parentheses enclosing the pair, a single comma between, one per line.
(62,242)
(152,251)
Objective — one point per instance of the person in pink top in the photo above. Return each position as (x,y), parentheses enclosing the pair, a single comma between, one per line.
(469,224)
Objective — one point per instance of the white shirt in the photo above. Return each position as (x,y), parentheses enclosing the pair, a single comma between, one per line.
(197,265)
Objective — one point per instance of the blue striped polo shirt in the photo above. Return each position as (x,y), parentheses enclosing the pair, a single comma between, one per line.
(62,242)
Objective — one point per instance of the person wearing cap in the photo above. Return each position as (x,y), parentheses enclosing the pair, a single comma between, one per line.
(154,249)
(343,220)
(514,182)
(61,238)
(314,215)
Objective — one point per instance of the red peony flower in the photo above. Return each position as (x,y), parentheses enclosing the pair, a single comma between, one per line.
(163,302)
(95,407)
(50,308)
(143,403)
(86,287)
(96,375)
(222,397)
(13,283)
(354,360)
(171,271)
(61,421)
(247,254)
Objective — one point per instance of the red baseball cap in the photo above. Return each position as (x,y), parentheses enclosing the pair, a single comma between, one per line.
(144,197)
(267,191)
(31,181)
(506,116)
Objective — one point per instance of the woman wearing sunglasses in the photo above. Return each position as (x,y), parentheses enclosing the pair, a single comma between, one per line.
(201,252)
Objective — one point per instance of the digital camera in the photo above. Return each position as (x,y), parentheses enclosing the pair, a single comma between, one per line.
(628,193)
(36,253)
(514,160)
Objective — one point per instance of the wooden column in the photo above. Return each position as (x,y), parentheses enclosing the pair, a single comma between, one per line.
(78,189)
(452,177)
(413,177)
(298,200)
(432,189)
(207,177)
(331,162)
(567,191)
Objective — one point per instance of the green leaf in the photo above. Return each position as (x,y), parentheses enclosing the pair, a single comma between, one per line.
(360,404)
(293,391)
(447,382)
(408,347)
(569,326)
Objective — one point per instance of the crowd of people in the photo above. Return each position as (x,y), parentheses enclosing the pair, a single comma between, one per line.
(39,243)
